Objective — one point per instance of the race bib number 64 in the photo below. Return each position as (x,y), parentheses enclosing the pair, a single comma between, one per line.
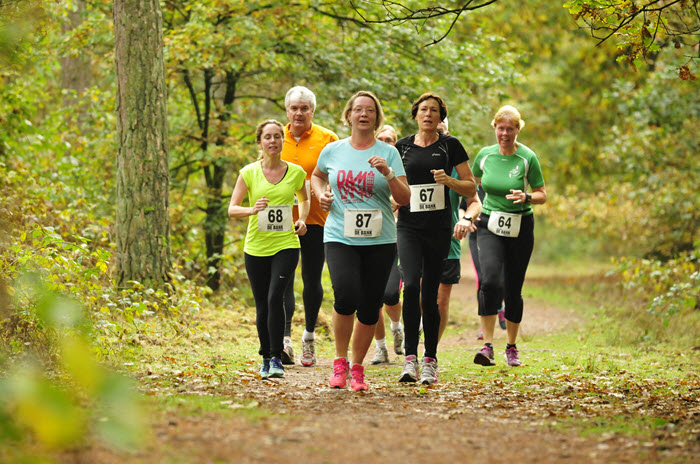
(504,224)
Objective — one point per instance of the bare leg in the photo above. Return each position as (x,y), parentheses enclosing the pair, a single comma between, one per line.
(342,330)
(379,331)
(361,340)
(488,324)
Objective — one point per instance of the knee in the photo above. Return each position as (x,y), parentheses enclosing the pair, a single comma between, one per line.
(368,317)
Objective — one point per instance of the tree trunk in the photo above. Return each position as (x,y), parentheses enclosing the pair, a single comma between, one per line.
(215,174)
(75,70)
(143,226)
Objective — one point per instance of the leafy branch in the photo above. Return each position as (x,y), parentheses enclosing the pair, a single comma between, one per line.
(398,12)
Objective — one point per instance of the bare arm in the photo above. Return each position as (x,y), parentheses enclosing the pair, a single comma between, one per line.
(538,196)
(462,227)
(321,189)
(465,185)
(304,207)
(235,210)
(400,191)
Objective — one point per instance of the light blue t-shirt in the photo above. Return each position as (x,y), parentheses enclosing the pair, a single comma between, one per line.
(358,186)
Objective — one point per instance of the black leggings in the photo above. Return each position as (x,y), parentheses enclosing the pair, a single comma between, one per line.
(422,254)
(269,278)
(359,275)
(504,262)
(312,259)
(474,251)
(392,292)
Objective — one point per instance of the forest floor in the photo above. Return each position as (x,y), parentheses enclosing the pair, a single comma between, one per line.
(300,419)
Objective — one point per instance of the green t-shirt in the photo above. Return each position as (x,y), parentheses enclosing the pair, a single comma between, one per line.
(263,243)
(499,174)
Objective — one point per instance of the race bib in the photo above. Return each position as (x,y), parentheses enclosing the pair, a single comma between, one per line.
(504,224)
(427,197)
(363,223)
(275,219)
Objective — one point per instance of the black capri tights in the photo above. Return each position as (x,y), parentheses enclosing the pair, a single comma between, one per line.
(269,277)
(312,259)
(504,262)
(422,254)
(359,275)
(392,292)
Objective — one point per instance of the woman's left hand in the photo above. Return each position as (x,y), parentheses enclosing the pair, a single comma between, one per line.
(379,164)
(463,227)
(299,227)
(518,196)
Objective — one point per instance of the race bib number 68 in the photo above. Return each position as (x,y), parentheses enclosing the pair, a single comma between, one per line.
(275,219)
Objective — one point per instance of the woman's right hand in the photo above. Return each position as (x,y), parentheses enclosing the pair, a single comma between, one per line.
(260,205)
(326,200)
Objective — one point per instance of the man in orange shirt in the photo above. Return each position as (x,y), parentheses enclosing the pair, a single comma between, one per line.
(303,142)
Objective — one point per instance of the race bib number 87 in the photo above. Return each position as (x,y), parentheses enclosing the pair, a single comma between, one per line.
(363,223)
(275,219)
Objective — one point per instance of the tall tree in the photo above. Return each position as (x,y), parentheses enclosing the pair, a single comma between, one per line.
(143,226)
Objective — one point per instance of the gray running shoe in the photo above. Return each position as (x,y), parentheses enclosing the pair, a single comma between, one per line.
(398,341)
(287,352)
(410,369)
(429,373)
(308,352)
(381,356)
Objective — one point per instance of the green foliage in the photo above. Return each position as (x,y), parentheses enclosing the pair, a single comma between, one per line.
(670,289)
(641,28)
(59,402)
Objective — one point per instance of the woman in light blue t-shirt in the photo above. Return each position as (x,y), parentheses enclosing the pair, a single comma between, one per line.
(354,180)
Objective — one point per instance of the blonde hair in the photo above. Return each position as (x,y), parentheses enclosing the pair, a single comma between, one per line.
(391,130)
(508,113)
(364,93)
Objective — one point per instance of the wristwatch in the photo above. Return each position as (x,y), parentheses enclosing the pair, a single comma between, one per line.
(468,217)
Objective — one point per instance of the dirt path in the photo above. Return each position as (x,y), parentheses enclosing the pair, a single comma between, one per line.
(453,421)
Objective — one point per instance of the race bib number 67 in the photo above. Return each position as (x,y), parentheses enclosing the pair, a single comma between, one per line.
(363,223)
(427,197)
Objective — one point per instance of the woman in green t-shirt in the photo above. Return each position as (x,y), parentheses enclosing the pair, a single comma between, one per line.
(271,244)
(505,231)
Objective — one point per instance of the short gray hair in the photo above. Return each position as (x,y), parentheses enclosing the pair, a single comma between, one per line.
(300,94)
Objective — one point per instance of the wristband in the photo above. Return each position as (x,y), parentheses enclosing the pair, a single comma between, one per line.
(391,174)
(528,197)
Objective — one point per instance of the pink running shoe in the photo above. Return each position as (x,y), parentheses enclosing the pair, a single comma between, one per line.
(485,356)
(502,318)
(357,378)
(512,357)
(340,373)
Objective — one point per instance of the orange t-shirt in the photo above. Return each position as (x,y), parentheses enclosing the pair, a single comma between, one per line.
(305,153)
